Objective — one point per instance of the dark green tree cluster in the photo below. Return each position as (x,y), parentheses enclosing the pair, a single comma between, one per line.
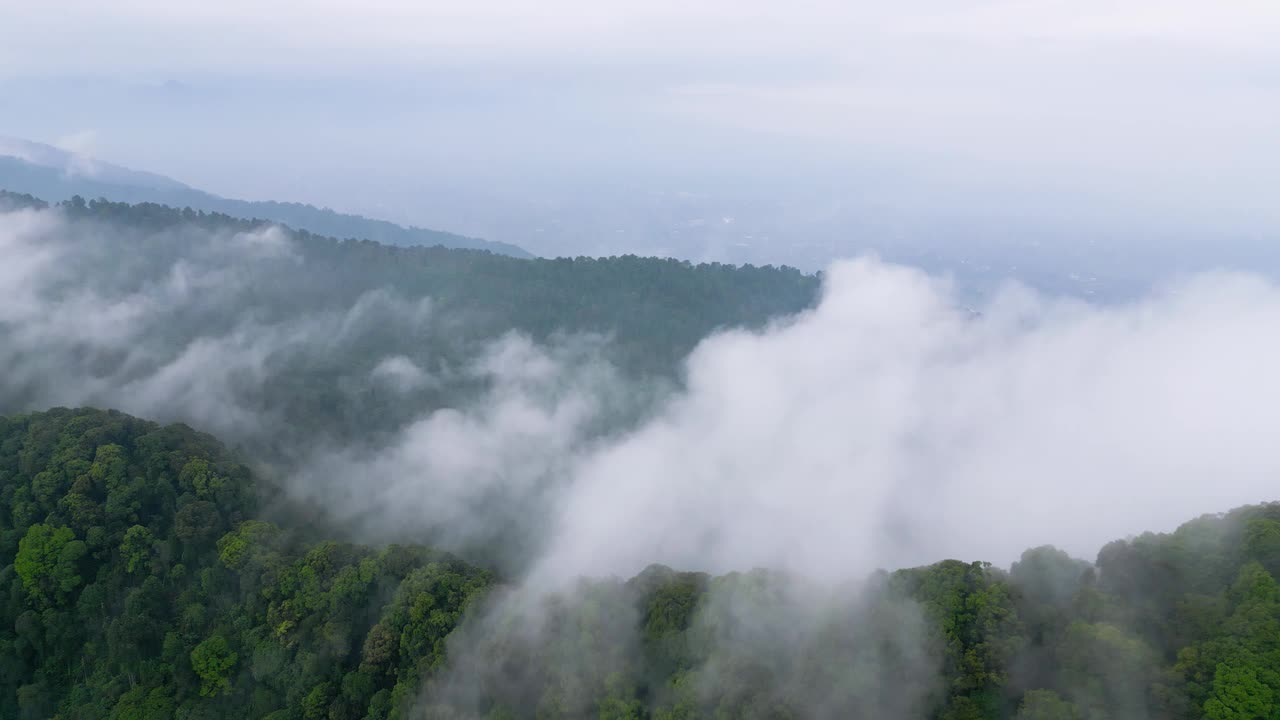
(137,585)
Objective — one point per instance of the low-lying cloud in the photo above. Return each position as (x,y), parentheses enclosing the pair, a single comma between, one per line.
(159,324)
(887,427)
(890,427)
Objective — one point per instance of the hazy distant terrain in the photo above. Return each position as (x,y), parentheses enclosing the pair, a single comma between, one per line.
(48,172)
(732,223)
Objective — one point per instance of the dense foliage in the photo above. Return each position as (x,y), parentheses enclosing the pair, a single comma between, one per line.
(137,585)
(137,581)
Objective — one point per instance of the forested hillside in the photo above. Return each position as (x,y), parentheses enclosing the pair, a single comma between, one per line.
(136,581)
(308,323)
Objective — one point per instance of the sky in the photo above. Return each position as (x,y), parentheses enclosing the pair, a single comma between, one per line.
(590,126)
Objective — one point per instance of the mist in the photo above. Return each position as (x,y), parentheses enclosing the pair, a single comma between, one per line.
(754,640)
(888,427)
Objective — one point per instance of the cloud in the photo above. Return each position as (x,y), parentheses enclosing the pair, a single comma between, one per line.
(162,329)
(889,428)
(402,373)
(80,147)
(482,478)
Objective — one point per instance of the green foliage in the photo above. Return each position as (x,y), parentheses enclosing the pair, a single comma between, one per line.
(971,606)
(212,661)
(48,563)
(1238,694)
(137,582)
(1046,705)
(136,548)
(185,605)
(237,548)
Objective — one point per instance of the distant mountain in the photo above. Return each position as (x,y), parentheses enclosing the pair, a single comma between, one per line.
(55,174)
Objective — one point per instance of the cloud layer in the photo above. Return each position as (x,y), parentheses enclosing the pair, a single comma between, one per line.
(887,427)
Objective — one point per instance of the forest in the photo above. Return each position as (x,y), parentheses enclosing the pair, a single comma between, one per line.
(139,582)
(193,279)
(148,570)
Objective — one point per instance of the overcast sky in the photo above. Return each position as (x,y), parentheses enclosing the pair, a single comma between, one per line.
(1124,109)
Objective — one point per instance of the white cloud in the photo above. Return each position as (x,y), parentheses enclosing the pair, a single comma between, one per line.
(402,373)
(889,428)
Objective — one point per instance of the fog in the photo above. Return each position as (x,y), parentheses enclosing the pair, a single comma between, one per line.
(755,640)
(888,427)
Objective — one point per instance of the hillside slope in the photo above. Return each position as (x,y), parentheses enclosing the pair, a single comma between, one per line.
(345,307)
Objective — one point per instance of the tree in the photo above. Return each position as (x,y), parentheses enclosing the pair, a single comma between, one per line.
(1262,543)
(1238,694)
(316,704)
(212,661)
(1046,705)
(48,563)
(196,521)
(136,548)
(139,703)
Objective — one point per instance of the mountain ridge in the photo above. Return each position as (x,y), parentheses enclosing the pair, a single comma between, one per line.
(55,174)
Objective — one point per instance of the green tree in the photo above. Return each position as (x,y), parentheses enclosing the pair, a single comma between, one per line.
(1262,543)
(315,705)
(1046,705)
(212,661)
(136,548)
(48,563)
(1238,694)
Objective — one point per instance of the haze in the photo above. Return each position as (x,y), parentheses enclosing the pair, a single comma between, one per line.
(753,131)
